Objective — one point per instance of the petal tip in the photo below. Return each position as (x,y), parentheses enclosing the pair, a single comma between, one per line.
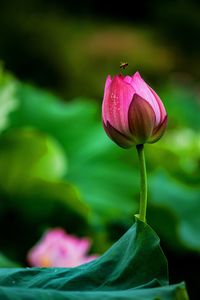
(137,75)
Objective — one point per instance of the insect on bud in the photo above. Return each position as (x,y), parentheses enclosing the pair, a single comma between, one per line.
(123,65)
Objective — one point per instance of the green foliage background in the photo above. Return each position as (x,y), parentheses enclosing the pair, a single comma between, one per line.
(55,159)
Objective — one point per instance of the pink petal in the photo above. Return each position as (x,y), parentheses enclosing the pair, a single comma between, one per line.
(106,89)
(143,90)
(82,246)
(58,249)
(87,259)
(128,79)
(117,136)
(117,98)
(108,82)
(55,234)
(158,131)
(141,119)
(160,104)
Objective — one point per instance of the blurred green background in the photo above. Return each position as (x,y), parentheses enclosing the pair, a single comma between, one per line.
(57,166)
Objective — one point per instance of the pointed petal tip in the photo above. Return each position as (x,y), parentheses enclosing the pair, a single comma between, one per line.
(108,81)
(137,75)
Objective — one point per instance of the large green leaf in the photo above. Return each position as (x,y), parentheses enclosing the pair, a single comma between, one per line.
(174,189)
(27,153)
(36,164)
(8,99)
(182,148)
(95,163)
(32,191)
(182,105)
(133,268)
(178,206)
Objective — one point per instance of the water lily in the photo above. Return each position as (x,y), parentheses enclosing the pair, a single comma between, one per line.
(59,249)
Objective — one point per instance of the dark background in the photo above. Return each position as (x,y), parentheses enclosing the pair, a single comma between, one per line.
(31,33)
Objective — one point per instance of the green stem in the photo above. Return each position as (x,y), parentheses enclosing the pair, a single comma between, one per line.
(143,183)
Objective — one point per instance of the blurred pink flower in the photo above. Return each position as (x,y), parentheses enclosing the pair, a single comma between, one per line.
(132,112)
(59,249)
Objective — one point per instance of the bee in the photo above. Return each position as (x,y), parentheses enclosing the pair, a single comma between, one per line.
(123,65)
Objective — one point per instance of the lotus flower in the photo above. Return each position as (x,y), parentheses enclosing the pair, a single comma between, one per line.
(132,112)
(59,249)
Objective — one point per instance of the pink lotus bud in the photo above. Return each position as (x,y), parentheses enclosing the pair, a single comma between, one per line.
(59,249)
(132,112)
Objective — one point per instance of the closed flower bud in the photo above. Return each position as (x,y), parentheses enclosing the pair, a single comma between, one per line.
(132,112)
